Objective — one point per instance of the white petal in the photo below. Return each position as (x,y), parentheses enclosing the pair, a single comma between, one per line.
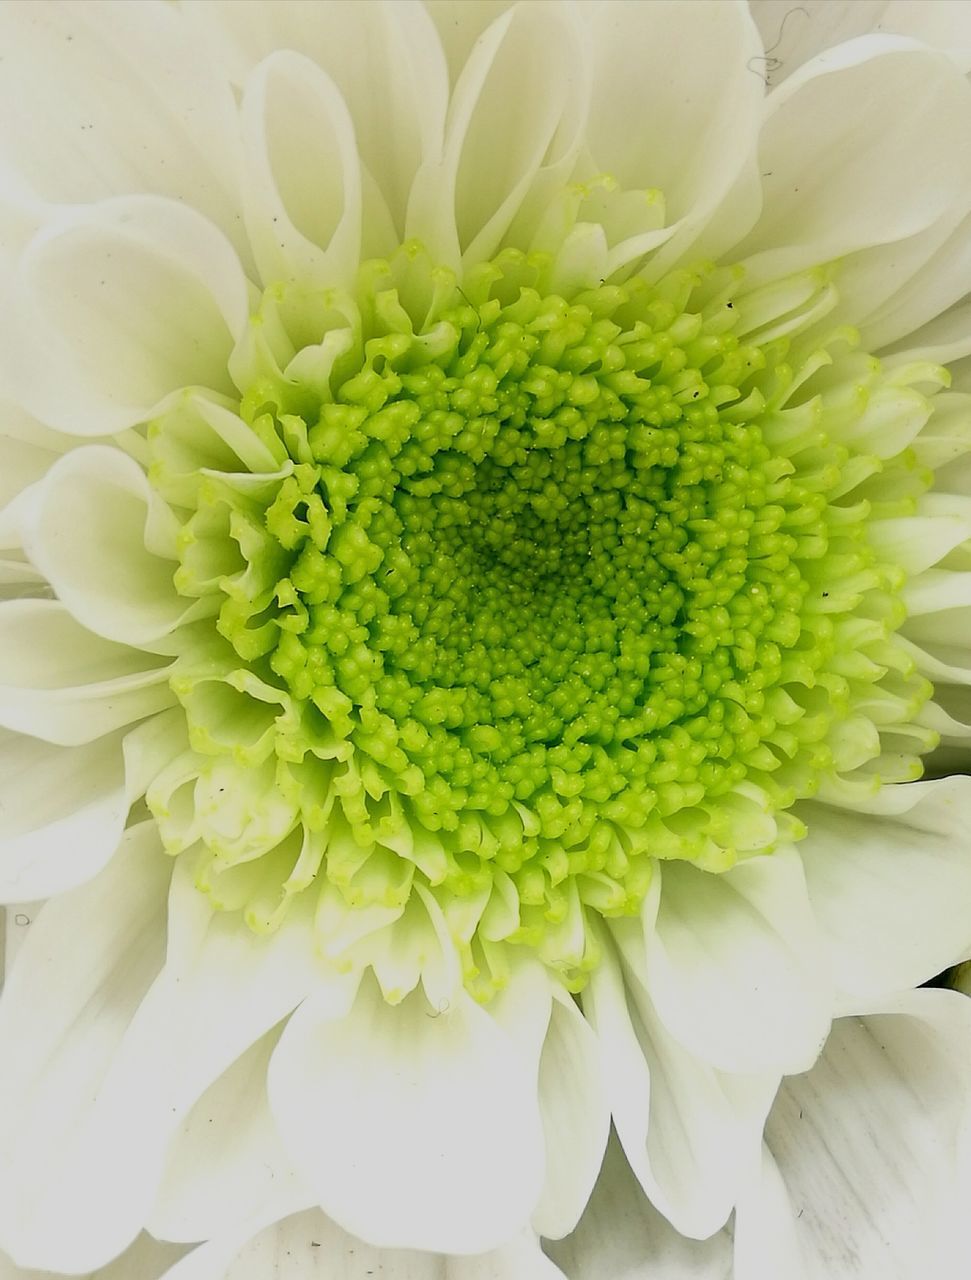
(27,450)
(85,966)
(521,1258)
(202,1011)
(460,24)
(915,543)
(936,637)
(62,812)
(65,685)
(505,152)
(576,1117)
(867,1143)
(794,34)
(226,1158)
(905,164)
(621,1236)
(309,1244)
(684,124)
(416,1127)
(128,300)
(383,57)
(522,1009)
(12,518)
(303,177)
(22,215)
(691,1134)
(146,1259)
(107,545)
(767,1243)
(891,890)
(898,280)
(120,99)
(733,965)
(18,919)
(941,715)
(928,283)
(16,574)
(214,1259)
(150,747)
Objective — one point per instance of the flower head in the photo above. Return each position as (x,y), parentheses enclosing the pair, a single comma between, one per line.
(487,536)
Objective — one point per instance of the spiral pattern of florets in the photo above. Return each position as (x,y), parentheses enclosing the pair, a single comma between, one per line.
(518,592)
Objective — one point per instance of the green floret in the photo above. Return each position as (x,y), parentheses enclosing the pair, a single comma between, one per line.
(532,591)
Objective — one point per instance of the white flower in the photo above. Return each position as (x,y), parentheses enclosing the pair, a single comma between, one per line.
(486,520)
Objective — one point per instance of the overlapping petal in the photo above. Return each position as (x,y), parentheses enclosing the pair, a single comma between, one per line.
(827,191)
(689,1132)
(173,1069)
(889,884)
(129,299)
(62,813)
(121,101)
(417,1108)
(867,1147)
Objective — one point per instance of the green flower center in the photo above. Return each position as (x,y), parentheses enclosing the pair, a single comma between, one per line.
(516,593)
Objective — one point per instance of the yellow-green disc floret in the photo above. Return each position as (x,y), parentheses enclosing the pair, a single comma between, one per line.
(512,593)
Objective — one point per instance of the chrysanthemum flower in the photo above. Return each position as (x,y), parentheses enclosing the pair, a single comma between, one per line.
(487,543)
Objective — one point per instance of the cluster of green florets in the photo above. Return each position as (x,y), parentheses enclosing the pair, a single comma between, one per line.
(543,582)
(535,574)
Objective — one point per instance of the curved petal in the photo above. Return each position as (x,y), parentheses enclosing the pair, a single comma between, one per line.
(576,1117)
(794,34)
(27,450)
(867,1142)
(146,1259)
(303,177)
(904,165)
(226,1159)
(18,919)
(890,290)
(460,24)
(63,1013)
(686,125)
(936,631)
(944,340)
(62,813)
(932,273)
(400,1116)
(383,57)
(107,545)
(190,1026)
(733,965)
(128,300)
(214,1259)
(891,889)
(915,543)
(15,575)
(766,1238)
(65,685)
(151,747)
(121,99)
(310,1245)
(520,1257)
(505,153)
(691,1134)
(622,1236)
